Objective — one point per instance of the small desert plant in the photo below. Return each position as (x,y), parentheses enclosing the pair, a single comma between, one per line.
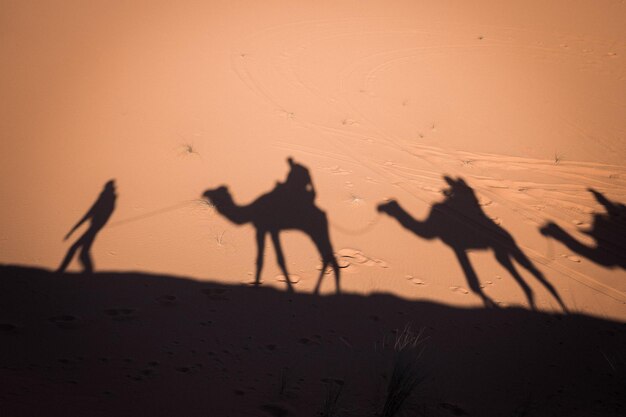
(204,203)
(188,149)
(283,382)
(406,373)
(219,238)
(355,200)
(524,408)
(558,157)
(334,389)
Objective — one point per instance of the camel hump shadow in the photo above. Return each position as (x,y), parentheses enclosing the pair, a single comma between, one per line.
(608,230)
(460,222)
(289,206)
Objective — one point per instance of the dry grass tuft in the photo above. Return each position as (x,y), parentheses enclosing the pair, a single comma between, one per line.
(406,373)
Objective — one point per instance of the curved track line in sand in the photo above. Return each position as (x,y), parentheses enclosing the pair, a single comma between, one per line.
(152,213)
(259,75)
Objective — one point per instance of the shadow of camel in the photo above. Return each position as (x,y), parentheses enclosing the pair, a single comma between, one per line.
(460,223)
(98,214)
(608,230)
(289,206)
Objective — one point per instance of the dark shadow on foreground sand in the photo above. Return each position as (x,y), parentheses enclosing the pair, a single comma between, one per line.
(138,344)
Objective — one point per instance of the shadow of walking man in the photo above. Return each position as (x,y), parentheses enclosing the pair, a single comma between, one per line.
(608,231)
(98,215)
(290,205)
(460,223)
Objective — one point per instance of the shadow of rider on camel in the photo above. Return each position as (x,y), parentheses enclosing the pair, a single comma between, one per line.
(460,222)
(608,230)
(289,206)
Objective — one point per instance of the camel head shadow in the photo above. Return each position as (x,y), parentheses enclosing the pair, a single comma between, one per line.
(459,222)
(289,206)
(390,207)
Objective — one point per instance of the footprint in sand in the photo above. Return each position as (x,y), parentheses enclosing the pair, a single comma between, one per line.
(276,410)
(8,328)
(349,257)
(453,409)
(215,293)
(571,258)
(415,280)
(167,300)
(148,372)
(349,122)
(460,290)
(293,278)
(329,270)
(189,369)
(331,380)
(121,314)
(495,219)
(65,321)
(337,170)
(310,341)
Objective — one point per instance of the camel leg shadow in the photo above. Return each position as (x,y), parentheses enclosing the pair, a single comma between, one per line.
(503,258)
(523,260)
(326,261)
(472,278)
(321,239)
(260,253)
(280,258)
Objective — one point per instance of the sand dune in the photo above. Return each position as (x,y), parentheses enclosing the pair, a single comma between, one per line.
(139,344)
(468,158)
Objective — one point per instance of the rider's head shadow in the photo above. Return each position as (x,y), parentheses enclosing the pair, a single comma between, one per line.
(457,187)
(460,197)
(608,230)
(298,176)
(297,190)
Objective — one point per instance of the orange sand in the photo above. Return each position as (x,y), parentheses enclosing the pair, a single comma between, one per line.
(525,102)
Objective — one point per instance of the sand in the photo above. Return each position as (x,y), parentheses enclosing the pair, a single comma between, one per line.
(469,159)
